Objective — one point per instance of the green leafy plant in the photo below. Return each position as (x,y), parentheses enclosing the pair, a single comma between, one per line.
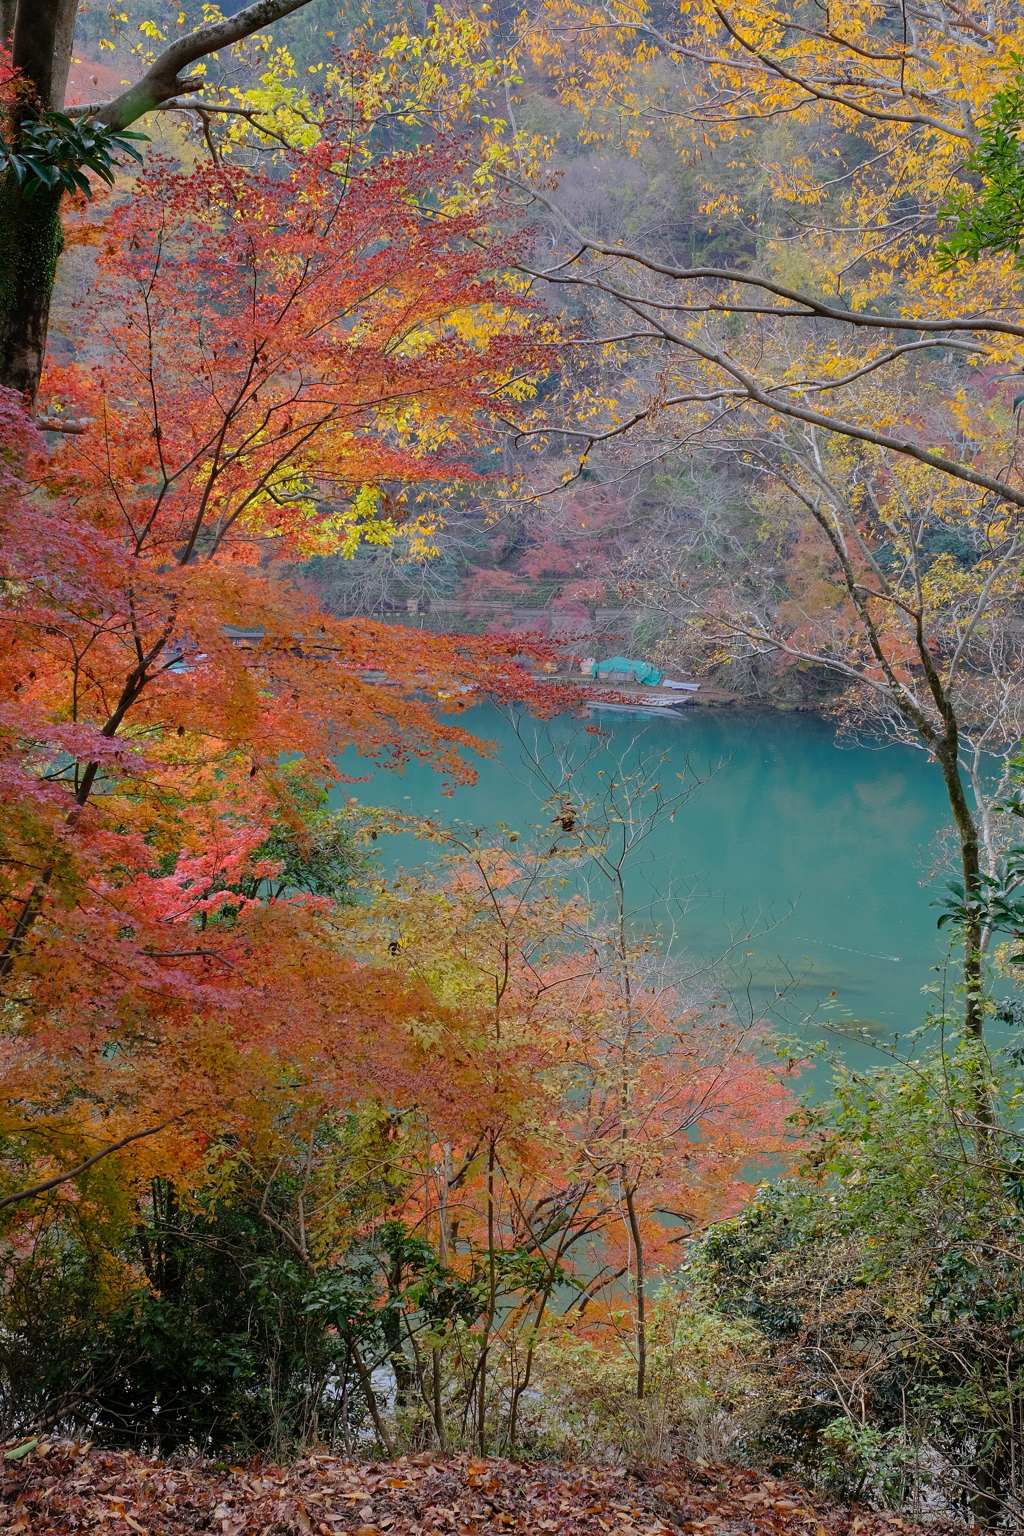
(998,900)
(855,1457)
(53,152)
(884,1277)
(993,221)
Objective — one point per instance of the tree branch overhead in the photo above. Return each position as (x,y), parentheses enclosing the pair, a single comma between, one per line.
(163,80)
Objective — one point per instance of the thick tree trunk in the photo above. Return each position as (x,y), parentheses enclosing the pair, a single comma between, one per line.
(31,240)
(63,46)
(41,47)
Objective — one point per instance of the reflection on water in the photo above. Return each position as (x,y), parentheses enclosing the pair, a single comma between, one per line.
(823,844)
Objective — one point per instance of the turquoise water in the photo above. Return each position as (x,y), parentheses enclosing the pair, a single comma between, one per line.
(819,849)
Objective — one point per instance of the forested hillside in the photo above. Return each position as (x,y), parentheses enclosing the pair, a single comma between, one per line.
(357,366)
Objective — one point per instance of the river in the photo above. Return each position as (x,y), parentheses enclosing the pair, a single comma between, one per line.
(819,847)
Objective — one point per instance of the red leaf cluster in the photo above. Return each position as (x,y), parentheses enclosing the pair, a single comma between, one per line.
(263,356)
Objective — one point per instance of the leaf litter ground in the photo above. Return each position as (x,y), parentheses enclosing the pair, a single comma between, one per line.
(60,1488)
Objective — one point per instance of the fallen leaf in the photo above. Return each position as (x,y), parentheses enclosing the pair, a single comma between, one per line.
(20,1451)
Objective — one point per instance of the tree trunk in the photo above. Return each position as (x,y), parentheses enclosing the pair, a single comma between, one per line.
(41,47)
(492,1303)
(974,959)
(371,1400)
(63,47)
(437,1404)
(970,864)
(641,1299)
(31,240)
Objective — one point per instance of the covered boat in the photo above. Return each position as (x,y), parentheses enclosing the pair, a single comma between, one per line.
(641,671)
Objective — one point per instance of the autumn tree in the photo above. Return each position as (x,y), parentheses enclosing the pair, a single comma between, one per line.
(663,1045)
(624,1096)
(412,1248)
(253,383)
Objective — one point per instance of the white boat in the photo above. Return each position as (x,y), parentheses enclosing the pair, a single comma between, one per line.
(643,707)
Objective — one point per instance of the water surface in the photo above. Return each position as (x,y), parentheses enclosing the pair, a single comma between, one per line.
(822,849)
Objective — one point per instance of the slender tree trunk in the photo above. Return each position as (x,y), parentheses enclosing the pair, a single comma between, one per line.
(475,1411)
(341,1414)
(391,1327)
(438,1405)
(989,1477)
(492,1301)
(974,959)
(641,1299)
(524,1381)
(947,749)
(970,864)
(371,1400)
(945,744)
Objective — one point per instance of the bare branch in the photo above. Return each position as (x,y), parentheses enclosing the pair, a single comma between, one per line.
(811,305)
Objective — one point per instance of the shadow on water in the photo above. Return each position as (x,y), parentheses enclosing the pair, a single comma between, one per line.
(818,846)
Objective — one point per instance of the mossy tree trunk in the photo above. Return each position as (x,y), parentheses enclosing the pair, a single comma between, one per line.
(31,240)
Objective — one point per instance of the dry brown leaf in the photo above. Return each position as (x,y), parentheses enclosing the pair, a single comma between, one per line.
(73,1495)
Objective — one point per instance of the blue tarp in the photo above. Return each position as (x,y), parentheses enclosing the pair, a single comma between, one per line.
(641,670)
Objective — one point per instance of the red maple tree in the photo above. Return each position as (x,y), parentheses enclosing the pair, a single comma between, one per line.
(262,356)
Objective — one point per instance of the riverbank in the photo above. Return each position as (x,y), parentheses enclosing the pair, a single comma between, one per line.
(664,700)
